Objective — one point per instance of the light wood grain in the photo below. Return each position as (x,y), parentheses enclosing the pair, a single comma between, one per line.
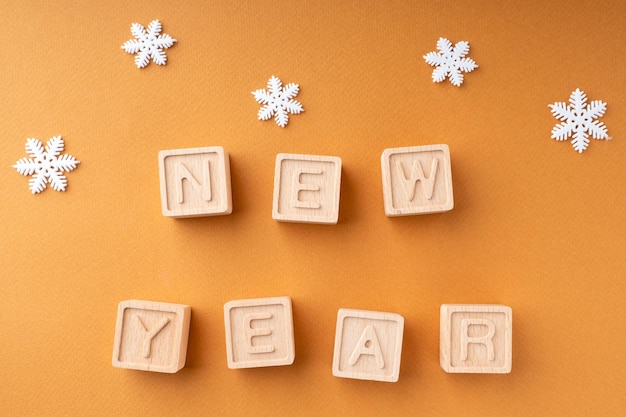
(476,338)
(307,188)
(368,345)
(195,182)
(417,180)
(151,336)
(259,332)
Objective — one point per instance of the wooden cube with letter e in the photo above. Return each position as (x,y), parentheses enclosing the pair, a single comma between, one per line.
(259,332)
(307,188)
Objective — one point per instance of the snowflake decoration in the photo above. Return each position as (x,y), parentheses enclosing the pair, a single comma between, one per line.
(148,44)
(46,165)
(450,62)
(278,101)
(577,120)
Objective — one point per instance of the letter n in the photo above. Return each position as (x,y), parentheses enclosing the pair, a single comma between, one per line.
(182,173)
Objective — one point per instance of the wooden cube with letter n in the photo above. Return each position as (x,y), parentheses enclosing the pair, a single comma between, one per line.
(476,338)
(368,345)
(259,332)
(195,182)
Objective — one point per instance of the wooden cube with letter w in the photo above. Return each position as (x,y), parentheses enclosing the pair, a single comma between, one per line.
(417,180)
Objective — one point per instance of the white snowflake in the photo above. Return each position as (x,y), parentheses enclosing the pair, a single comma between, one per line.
(278,101)
(450,62)
(46,165)
(148,44)
(577,120)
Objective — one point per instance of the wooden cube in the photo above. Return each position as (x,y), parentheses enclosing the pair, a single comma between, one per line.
(195,182)
(476,338)
(151,336)
(417,180)
(259,332)
(306,188)
(368,345)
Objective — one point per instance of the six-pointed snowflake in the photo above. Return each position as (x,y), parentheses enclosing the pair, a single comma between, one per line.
(46,165)
(577,120)
(450,62)
(278,101)
(148,44)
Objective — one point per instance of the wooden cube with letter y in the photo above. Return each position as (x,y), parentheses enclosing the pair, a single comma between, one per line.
(151,336)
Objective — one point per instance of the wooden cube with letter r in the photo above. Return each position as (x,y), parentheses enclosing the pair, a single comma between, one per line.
(476,338)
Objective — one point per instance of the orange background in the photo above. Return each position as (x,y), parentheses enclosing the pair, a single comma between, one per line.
(536,225)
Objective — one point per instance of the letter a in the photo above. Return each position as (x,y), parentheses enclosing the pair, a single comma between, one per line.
(417,174)
(368,345)
(182,173)
(483,340)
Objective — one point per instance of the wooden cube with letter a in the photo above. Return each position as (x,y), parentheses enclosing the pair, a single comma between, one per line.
(417,180)
(306,188)
(259,332)
(151,336)
(476,338)
(368,345)
(195,182)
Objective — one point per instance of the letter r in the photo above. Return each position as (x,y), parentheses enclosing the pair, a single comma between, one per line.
(486,339)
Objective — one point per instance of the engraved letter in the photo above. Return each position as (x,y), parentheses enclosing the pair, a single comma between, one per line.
(298,186)
(483,340)
(147,343)
(250,332)
(368,345)
(182,173)
(417,174)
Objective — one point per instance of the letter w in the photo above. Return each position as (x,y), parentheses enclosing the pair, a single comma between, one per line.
(417,174)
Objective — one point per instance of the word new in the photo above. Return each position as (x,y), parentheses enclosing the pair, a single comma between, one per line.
(196,182)
(152,336)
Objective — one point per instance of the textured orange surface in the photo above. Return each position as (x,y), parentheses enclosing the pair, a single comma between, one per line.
(536,225)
